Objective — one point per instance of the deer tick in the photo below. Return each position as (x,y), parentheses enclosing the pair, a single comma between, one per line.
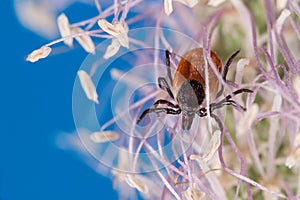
(188,88)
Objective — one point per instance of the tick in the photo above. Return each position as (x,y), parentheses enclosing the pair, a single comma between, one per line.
(188,88)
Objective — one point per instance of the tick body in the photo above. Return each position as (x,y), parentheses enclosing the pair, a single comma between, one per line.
(188,88)
(192,67)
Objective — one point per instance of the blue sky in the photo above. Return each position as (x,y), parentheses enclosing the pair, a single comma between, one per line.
(36,104)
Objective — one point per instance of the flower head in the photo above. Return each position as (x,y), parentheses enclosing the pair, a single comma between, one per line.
(242,149)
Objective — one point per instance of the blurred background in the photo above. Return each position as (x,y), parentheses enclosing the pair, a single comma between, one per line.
(36,105)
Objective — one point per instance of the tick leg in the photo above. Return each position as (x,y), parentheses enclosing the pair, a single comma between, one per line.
(228,63)
(242,90)
(158,110)
(217,119)
(225,71)
(203,113)
(235,105)
(163,101)
(239,91)
(227,101)
(168,63)
(163,84)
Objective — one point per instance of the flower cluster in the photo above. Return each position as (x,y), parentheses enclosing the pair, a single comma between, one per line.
(257,153)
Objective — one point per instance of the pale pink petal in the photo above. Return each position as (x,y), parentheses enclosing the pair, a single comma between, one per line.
(296,86)
(281,19)
(215,2)
(274,187)
(280,4)
(107,27)
(245,122)
(122,28)
(64,29)
(195,157)
(290,161)
(117,29)
(168,7)
(88,86)
(240,69)
(293,158)
(134,182)
(124,156)
(123,164)
(297,141)
(213,146)
(112,49)
(84,40)
(42,52)
(37,17)
(189,3)
(192,193)
(276,106)
(123,40)
(104,136)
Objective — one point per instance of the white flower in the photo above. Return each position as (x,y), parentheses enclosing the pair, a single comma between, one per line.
(112,49)
(42,52)
(37,16)
(192,193)
(64,29)
(135,182)
(169,6)
(240,69)
(84,40)
(293,158)
(281,19)
(215,2)
(247,119)
(104,136)
(296,84)
(212,148)
(280,4)
(117,29)
(88,86)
